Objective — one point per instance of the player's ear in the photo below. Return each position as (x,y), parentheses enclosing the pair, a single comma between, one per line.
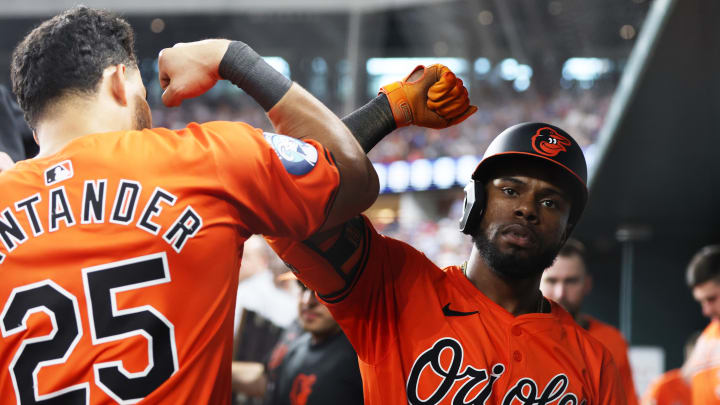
(116,76)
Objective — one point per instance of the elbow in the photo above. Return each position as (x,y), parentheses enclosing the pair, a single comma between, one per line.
(357,191)
(367,186)
(373,186)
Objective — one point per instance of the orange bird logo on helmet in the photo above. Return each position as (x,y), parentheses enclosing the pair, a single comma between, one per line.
(548,142)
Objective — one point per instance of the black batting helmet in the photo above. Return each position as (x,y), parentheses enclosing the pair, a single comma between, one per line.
(530,140)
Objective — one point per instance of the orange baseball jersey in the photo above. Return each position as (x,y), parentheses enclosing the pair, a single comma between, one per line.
(669,389)
(702,369)
(614,341)
(425,335)
(120,257)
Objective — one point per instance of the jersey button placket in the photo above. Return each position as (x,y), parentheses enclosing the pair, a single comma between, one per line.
(517,356)
(516,332)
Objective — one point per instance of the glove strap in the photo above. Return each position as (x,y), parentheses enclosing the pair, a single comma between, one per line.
(402,112)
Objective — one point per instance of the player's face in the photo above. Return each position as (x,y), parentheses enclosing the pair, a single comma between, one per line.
(566,282)
(525,220)
(142,118)
(315,317)
(707,295)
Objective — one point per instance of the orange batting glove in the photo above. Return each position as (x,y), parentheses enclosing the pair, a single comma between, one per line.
(431,97)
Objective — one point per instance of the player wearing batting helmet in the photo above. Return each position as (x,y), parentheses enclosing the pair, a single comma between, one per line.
(482,332)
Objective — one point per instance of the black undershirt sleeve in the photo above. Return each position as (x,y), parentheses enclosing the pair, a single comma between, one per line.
(370,123)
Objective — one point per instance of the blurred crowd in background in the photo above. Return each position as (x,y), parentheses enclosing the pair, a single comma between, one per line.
(581,112)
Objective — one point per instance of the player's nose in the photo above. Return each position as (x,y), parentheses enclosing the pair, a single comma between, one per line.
(558,292)
(307,297)
(526,208)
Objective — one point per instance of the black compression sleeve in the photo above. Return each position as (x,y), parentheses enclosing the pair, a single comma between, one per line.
(243,67)
(370,123)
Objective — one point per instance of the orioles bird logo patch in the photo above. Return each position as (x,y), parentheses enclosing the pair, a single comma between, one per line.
(548,142)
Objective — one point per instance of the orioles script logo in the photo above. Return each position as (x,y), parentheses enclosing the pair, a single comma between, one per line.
(548,142)
(441,375)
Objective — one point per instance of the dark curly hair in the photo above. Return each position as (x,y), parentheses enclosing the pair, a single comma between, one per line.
(67,54)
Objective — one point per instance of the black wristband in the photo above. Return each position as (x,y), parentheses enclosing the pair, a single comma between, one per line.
(243,67)
(370,123)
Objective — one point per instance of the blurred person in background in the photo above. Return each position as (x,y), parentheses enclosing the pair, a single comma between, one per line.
(316,367)
(672,388)
(15,135)
(5,161)
(702,369)
(265,313)
(568,282)
(260,289)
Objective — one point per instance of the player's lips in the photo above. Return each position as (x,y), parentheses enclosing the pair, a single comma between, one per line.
(519,235)
(309,315)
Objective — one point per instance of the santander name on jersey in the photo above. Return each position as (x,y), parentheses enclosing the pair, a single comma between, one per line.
(126,208)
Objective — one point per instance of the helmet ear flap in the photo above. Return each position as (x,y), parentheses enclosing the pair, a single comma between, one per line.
(473,206)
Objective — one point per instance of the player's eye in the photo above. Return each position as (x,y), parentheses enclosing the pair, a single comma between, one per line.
(549,203)
(509,191)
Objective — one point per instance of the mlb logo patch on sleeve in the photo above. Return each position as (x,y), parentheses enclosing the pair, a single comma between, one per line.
(297,156)
(59,172)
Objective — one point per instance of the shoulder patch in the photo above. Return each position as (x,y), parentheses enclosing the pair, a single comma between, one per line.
(297,156)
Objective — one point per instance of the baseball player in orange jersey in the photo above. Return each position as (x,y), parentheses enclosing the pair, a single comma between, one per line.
(480,333)
(119,244)
(567,282)
(670,389)
(702,368)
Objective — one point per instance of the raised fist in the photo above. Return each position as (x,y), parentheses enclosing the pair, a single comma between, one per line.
(431,97)
(188,70)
